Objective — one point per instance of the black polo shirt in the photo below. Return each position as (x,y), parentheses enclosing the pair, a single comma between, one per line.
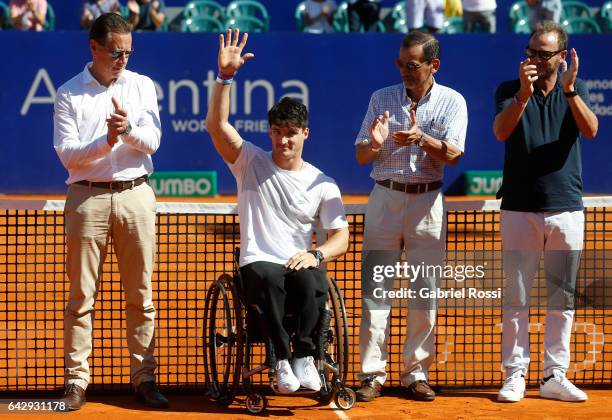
(542,164)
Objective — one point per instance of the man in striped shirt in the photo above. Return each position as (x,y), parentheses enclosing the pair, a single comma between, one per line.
(410,131)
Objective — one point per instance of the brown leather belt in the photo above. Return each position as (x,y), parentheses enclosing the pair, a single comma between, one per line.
(410,188)
(115,185)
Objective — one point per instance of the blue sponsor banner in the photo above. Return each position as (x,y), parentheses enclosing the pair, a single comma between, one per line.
(335,75)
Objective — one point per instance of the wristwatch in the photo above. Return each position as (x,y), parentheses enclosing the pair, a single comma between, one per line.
(317,254)
(570,94)
(128,129)
(421,141)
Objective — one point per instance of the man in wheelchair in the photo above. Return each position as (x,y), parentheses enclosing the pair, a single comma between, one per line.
(281,198)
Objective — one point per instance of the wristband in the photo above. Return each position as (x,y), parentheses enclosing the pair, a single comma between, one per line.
(224,81)
(570,94)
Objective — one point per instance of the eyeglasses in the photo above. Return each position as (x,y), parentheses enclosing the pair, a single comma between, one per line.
(542,55)
(115,54)
(410,66)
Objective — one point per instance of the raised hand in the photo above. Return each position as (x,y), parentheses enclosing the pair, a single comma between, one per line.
(528,74)
(411,136)
(568,76)
(230,58)
(379,130)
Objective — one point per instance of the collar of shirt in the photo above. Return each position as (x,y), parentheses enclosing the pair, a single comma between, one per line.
(429,95)
(89,79)
(556,87)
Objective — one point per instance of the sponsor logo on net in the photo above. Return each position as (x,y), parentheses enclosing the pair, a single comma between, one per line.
(405,271)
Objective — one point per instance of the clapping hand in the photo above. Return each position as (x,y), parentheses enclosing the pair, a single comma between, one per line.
(568,76)
(379,130)
(528,74)
(410,136)
(117,123)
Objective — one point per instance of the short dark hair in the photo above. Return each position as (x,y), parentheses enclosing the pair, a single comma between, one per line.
(106,24)
(431,46)
(546,26)
(288,112)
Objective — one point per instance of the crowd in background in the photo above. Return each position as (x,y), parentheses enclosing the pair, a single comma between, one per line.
(324,16)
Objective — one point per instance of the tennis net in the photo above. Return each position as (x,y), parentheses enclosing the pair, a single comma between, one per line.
(195,245)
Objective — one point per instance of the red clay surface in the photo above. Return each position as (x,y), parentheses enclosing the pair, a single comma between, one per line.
(455,405)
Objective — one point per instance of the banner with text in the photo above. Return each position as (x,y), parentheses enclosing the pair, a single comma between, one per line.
(334,75)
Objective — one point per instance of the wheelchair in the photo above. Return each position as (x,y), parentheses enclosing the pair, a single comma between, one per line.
(235,339)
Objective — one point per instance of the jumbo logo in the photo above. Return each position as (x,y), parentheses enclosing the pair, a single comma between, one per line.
(482,182)
(184,184)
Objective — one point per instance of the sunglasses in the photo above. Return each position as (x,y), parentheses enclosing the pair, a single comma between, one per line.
(115,54)
(542,55)
(410,66)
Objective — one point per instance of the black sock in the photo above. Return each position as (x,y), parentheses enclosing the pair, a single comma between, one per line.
(546,379)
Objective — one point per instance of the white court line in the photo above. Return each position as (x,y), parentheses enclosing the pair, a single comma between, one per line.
(339,412)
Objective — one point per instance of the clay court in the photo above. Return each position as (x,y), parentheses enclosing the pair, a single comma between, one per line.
(195,246)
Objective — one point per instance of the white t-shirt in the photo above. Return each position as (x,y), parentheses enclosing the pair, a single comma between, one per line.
(479,5)
(280,209)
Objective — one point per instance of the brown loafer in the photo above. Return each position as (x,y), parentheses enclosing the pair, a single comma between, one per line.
(148,394)
(369,390)
(74,397)
(421,391)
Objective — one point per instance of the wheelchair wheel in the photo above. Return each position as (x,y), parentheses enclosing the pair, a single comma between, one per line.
(345,398)
(223,340)
(336,346)
(256,403)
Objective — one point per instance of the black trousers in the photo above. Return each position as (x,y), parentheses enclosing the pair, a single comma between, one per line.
(277,290)
(363,11)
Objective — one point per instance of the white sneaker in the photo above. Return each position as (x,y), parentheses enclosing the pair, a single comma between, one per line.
(307,373)
(513,389)
(285,379)
(560,388)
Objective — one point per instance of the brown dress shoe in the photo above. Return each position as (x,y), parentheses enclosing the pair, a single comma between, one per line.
(148,394)
(369,390)
(420,391)
(74,397)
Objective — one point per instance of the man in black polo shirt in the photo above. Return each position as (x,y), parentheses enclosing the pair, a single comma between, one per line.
(540,117)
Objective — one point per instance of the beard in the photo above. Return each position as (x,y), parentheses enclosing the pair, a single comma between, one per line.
(546,71)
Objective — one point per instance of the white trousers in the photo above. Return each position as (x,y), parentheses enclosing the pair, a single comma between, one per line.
(524,236)
(421,12)
(396,221)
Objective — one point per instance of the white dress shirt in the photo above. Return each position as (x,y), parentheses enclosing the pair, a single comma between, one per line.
(82,106)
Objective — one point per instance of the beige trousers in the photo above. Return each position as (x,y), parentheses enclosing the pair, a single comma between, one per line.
(93,216)
(395,221)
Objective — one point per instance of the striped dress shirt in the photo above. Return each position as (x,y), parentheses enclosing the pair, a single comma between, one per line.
(441,114)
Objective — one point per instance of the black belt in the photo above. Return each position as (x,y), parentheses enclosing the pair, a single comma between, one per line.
(115,185)
(410,188)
